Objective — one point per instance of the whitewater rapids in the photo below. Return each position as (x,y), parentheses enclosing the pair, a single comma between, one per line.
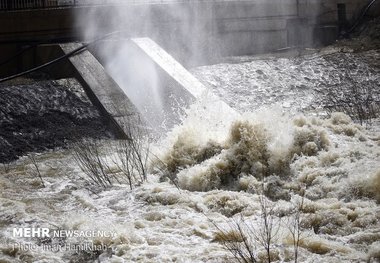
(218,161)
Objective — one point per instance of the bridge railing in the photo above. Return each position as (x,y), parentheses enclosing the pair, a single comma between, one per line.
(9,5)
(32,4)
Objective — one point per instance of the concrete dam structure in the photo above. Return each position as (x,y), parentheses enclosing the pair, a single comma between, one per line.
(188,33)
(194,32)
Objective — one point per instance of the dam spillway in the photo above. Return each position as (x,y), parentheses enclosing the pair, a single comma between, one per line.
(124,95)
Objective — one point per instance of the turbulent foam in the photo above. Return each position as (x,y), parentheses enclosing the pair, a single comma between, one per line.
(374,252)
(292,152)
(368,187)
(259,145)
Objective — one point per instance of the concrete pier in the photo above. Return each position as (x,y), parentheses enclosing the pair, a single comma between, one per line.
(160,88)
(103,91)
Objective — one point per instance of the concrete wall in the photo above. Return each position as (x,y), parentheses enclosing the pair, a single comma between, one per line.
(325,11)
(195,32)
(103,91)
(36,25)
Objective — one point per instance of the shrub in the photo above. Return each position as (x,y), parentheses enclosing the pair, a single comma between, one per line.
(361,101)
(97,159)
(87,154)
(246,242)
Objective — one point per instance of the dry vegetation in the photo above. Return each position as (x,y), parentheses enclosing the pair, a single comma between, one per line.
(107,161)
(360,101)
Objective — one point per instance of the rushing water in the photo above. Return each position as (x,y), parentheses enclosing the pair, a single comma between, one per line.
(294,83)
(29,122)
(337,160)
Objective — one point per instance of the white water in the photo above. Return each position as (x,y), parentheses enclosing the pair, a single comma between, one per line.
(156,222)
(294,83)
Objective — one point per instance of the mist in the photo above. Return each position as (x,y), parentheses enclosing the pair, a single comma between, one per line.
(194,34)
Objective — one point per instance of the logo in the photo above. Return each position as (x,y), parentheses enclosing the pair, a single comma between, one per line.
(31,232)
(46,232)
